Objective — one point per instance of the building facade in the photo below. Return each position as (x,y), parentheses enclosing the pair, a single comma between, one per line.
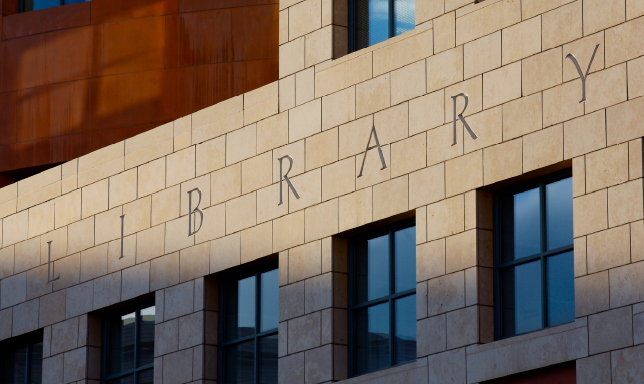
(82,76)
(455,201)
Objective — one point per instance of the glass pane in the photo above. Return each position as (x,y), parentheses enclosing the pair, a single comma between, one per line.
(240,309)
(35,364)
(372,269)
(559,213)
(123,380)
(14,365)
(270,301)
(527,223)
(405,342)
(121,344)
(146,377)
(561,289)
(521,295)
(372,338)
(42,4)
(268,360)
(405,255)
(404,16)
(146,337)
(239,363)
(372,22)
(74,1)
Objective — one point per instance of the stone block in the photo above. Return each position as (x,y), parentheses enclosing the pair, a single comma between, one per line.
(444,69)
(638,328)
(69,270)
(166,205)
(391,198)
(93,263)
(561,103)
(107,290)
(95,198)
(178,300)
(464,173)
(304,17)
(256,242)
(432,335)
(41,219)
(67,208)
(594,369)
(426,112)
(7,261)
(27,255)
(304,332)
(610,330)
(503,161)
(210,155)
(591,294)
(408,82)
(308,187)
(608,87)
(296,152)
(52,309)
(322,149)
(355,209)
(15,228)
(447,367)
(268,198)
(637,241)
(319,293)
(319,364)
(261,103)
(448,293)
(318,47)
(291,301)
(444,30)
(626,364)
(151,177)
(305,261)
(25,317)
(542,71)
(579,176)
(445,218)
(485,20)
(191,330)
(543,148)
(114,260)
(408,155)
(182,134)
(600,15)
(164,271)
(79,299)
(482,55)
(256,172)
(290,369)
(635,159)
(338,108)
(37,284)
(635,69)
(64,336)
(343,176)
(502,85)
(488,125)
(135,281)
(287,93)
(460,251)
(608,249)
(241,144)
(343,75)
(625,203)
(174,367)
(122,188)
(580,256)
(585,134)
(372,95)
(521,40)
(107,226)
(626,285)
(148,244)
(430,260)
(591,213)
(427,186)
(305,120)
(607,167)
(225,184)
(462,327)
(138,215)
(321,220)
(562,25)
(583,50)
(176,235)
(272,132)
(473,88)
(225,253)
(75,367)
(621,42)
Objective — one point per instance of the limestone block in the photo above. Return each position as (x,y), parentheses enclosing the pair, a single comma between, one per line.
(580,256)
(305,261)
(542,71)
(448,366)
(319,293)
(473,88)
(38,196)
(166,205)
(287,96)
(305,120)
(149,138)
(256,242)
(626,364)
(606,88)
(464,173)
(137,215)
(448,293)
(634,8)
(80,235)
(5,328)
(271,133)
(213,225)
(622,43)
(408,82)
(148,244)
(225,184)
(210,155)
(625,121)
(626,285)
(25,317)
(241,213)
(638,328)
(69,270)
(445,69)
(41,219)
(521,40)
(261,103)
(225,253)
(637,241)
(290,369)
(13,290)
(288,231)
(502,85)
(426,112)
(37,284)
(164,271)
(390,127)
(583,50)
(462,327)
(444,31)
(431,335)
(241,144)
(58,239)
(342,75)
(579,176)
(338,178)
(174,365)
(607,167)
(502,161)
(318,47)
(218,111)
(402,52)
(292,54)
(283,27)
(591,294)
(291,301)
(107,290)
(304,17)
(226,124)
(625,203)
(428,9)
(445,218)
(296,152)
(319,364)
(182,132)
(178,300)
(268,199)
(39,180)
(338,108)
(7,261)
(562,25)
(562,103)
(176,235)
(532,8)
(191,330)
(451,5)
(591,213)
(608,249)
(321,220)
(107,226)
(308,187)
(151,177)
(79,299)
(93,263)
(635,78)
(53,369)
(585,134)
(427,186)
(64,336)
(27,255)
(321,149)
(408,155)
(594,369)
(610,330)
(95,198)
(485,20)
(488,125)
(635,159)
(390,198)
(600,15)
(150,152)
(166,337)
(430,260)
(355,209)
(439,143)
(373,95)
(543,148)
(136,281)
(482,55)
(460,251)
(304,332)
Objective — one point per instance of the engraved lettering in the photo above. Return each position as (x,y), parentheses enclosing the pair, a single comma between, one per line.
(460,116)
(581,74)
(382,158)
(192,211)
(285,177)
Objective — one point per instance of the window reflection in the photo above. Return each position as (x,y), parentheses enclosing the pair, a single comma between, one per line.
(375,21)
(22,364)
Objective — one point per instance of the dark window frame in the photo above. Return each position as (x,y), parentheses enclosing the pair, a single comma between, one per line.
(391,298)
(22,5)
(223,344)
(105,343)
(541,183)
(29,344)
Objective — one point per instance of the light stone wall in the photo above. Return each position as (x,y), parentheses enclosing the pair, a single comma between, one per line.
(507,55)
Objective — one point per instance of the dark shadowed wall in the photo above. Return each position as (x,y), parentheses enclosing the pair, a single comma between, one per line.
(79,77)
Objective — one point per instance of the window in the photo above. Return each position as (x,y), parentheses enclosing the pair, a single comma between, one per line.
(534,264)
(33,5)
(129,347)
(250,318)
(22,364)
(373,21)
(382,299)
